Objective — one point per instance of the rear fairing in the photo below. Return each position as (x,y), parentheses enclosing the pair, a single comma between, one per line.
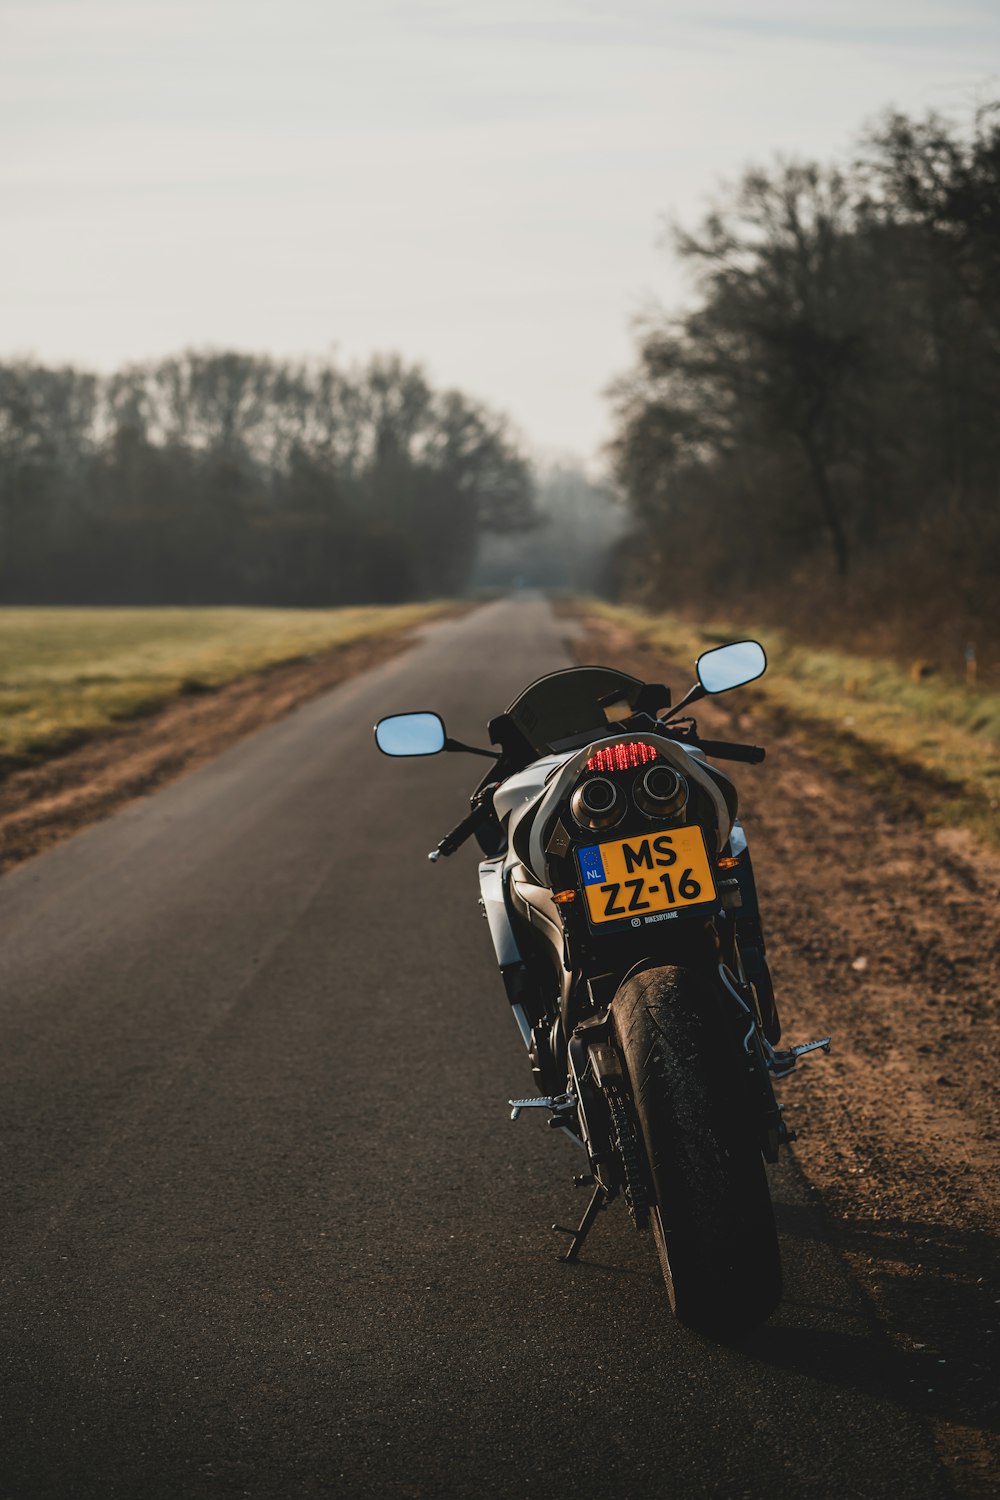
(551,955)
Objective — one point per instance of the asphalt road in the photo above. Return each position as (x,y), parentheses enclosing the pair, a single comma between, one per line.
(267,1229)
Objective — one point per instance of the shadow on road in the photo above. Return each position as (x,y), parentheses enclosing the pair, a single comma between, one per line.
(932,1287)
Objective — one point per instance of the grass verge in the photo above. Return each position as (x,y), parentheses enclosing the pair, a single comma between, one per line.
(69,674)
(938,738)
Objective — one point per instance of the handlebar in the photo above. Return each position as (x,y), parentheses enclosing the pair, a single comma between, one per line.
(483,811)
(727,750)
(720,749)
(464,830)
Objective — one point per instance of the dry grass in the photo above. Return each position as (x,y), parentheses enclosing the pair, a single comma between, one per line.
(67,674)
(864,714)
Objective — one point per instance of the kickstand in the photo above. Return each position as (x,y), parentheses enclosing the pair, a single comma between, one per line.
(579,1234)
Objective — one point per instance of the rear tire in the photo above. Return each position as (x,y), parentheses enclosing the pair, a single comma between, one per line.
(712,1219)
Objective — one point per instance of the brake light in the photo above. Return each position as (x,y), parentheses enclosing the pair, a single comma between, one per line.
(626,757)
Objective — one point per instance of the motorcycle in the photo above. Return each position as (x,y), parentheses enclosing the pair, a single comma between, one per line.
(619,892)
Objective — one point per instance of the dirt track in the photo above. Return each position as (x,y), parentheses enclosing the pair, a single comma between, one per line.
(886,935)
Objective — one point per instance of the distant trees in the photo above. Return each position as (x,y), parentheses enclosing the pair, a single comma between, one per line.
(569,545)
(825,419)
(234,478)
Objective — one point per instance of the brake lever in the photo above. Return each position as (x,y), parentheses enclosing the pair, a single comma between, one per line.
(461,831)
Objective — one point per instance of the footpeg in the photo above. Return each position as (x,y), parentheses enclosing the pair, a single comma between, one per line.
(558,1104)
(783,1063)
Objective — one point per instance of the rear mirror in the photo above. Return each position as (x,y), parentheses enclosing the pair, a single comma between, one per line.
(731,666)
(410,734)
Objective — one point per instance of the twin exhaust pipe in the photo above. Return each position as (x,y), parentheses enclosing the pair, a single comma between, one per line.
(599,803)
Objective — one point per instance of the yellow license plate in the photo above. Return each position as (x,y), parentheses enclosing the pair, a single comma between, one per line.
(646,879)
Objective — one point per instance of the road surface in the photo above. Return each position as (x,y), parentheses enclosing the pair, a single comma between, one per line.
(267,1229)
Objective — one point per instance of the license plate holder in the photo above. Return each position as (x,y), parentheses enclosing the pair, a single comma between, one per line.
(646,879)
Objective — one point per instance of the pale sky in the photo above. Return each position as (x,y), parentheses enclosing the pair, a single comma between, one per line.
(479,185)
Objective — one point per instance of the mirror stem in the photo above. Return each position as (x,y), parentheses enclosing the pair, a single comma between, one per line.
(694,696)
(451,744)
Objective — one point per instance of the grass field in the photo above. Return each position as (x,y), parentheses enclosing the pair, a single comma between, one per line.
(66,674)
(937,729)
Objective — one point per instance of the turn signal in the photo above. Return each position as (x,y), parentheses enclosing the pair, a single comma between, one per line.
(564,897)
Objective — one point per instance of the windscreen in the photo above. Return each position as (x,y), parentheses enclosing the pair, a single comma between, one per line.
(568,703)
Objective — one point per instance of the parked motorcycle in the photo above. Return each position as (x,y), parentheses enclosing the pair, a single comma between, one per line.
(620,897)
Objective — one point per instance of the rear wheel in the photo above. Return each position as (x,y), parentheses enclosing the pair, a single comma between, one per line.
(712,1221)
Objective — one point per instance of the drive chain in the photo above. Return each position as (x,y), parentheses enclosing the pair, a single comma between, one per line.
(636,1195)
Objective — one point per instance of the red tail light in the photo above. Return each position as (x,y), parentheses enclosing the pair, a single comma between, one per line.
(626,757)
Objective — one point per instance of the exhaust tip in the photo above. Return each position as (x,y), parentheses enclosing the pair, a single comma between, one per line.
(660,792)
(597,803)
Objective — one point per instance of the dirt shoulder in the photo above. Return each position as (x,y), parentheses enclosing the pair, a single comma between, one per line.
(885,933)
(41,804)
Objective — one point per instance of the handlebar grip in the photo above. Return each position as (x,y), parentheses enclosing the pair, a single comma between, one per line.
(461,831)
(726,750)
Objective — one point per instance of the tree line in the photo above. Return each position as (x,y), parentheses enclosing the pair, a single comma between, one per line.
(570,545)
(817,437)
(225,478)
